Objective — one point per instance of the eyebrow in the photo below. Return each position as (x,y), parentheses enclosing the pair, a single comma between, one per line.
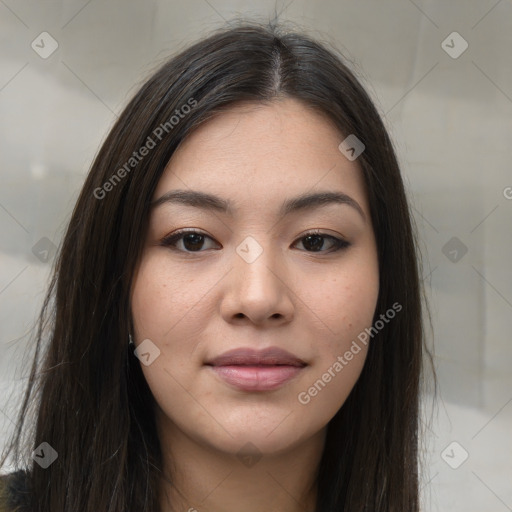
(211,202)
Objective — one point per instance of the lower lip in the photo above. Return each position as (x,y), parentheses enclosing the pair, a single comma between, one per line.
(256,378)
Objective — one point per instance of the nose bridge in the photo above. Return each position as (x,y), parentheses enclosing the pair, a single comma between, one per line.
(254,261)
(259,291)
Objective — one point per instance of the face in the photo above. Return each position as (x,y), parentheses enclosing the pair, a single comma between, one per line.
(290,282)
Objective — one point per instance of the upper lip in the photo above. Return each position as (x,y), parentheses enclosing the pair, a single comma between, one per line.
(247,356)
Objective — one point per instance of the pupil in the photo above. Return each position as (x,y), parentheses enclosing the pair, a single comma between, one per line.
(316,245)
(196,241)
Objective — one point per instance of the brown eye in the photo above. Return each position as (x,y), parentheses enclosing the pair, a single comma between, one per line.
(315,242)
(189,240)
(194,241)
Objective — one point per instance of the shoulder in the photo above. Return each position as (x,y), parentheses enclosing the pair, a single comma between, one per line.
(15,492)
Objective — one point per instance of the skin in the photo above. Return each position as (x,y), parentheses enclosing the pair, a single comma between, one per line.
(198,300)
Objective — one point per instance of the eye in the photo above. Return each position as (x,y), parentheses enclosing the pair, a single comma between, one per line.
(188,240)
(314,241)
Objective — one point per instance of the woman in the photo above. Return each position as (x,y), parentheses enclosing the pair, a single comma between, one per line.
(237,317)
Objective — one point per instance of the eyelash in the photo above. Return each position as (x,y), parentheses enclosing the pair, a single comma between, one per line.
(171,240)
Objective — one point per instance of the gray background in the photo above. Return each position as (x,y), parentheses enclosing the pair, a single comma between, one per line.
(450,118)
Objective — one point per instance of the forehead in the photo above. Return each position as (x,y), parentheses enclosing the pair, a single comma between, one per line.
(256,153)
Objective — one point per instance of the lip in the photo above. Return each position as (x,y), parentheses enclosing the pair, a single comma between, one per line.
(256,370)
(250,357)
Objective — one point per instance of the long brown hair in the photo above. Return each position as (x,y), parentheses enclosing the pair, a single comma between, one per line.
(90,400)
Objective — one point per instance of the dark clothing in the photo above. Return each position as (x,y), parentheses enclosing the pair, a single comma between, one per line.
(14,492)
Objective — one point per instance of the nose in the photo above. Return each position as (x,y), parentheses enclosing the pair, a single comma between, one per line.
(258,288)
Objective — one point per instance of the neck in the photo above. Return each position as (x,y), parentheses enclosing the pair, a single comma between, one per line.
(201,478)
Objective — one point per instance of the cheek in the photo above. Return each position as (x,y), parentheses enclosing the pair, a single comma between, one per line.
(345,300)
(148,298)
(163,300)
(346,303)
(162,305)
(170,308)
(347,310)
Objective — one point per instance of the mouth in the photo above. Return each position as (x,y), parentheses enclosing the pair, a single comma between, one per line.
(252,370)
